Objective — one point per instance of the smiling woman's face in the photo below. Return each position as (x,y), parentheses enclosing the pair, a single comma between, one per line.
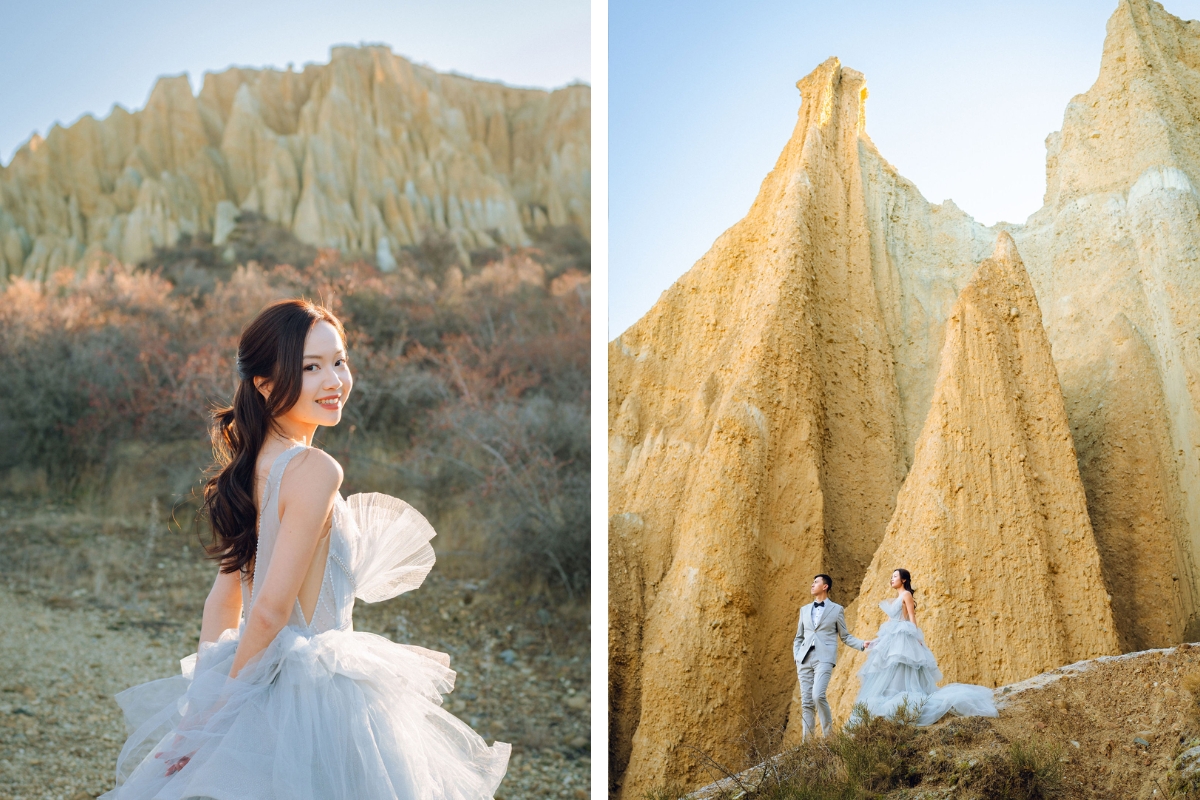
(326,380)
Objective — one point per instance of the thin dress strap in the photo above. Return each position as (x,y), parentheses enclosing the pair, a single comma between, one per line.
(275,477)
(268,517)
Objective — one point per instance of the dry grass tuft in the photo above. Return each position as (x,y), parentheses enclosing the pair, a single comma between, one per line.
(1190,684)
(875,757)
(1029,769)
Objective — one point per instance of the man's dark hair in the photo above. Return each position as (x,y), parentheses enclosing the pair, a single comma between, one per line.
(828,581)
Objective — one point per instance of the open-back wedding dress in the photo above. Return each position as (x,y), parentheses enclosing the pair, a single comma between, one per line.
(323,712)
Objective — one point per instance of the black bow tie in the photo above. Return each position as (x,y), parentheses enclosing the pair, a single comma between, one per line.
(819,605)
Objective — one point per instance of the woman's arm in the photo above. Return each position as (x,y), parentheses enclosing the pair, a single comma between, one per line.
(223,607)
(910,607)
(306,500)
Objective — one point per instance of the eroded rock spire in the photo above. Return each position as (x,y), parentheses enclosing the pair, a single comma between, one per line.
(992,519)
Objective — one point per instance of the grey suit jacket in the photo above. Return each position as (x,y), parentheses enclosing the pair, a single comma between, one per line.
(823,637)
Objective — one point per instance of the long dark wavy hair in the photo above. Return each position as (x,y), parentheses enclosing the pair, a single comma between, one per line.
(271,347)
(906,579)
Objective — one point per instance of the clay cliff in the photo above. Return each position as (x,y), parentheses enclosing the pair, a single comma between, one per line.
(765,413)
(367,153)
(992,516)
(758,435)
(1112,255)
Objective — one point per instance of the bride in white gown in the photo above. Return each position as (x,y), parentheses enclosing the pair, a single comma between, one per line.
(900,668)
(284,700)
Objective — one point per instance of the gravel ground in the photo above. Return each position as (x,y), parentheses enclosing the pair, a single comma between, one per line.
(84,613)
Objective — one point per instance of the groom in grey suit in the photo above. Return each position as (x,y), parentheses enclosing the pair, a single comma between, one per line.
(815,649)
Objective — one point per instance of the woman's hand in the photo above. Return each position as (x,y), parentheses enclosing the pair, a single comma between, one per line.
(174,763)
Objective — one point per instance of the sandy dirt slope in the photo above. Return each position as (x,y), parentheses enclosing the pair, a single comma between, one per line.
(1121,723)
(65,649)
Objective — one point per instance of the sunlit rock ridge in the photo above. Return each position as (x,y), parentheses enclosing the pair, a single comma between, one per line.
(367,152)
(766,413)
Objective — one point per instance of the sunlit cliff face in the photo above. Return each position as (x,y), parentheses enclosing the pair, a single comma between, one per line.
(368,153)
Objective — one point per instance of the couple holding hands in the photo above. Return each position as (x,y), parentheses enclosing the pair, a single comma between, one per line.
(899,669)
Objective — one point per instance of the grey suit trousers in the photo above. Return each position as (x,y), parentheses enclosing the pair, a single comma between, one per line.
(814,680)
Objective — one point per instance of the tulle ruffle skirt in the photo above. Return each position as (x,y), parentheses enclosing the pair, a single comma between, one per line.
(900,670)
(335,715)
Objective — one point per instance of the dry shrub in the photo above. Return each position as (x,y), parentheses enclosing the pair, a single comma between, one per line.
(878,751)
(870,756)
(194,265)
(1179,788)
(873,757)
(963,731)
(99,361)
(813,771)
(473,407)
(436,253)
(1186,785)
(1030,769)
(562,248)
(1190,683)
(1183,779)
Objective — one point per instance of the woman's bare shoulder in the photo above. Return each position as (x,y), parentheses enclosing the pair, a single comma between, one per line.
(313,472)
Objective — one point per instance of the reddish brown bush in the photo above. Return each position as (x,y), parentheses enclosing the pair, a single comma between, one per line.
(472,401)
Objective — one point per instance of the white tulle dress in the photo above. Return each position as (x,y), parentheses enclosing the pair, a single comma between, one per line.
(900,667)
(324,712)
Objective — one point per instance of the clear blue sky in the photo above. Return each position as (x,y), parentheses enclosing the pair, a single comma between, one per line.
(62,58)
(703,98)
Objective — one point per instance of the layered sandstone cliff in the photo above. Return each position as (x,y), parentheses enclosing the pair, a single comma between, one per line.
(758,435)
(765,412)
(1113,257)
(367,153)
(992,520)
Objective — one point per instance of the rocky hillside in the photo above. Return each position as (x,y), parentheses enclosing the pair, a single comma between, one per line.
(1111,727)
(842,341)
(368,153)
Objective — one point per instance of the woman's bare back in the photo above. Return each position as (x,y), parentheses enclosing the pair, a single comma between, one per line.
(310,589)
